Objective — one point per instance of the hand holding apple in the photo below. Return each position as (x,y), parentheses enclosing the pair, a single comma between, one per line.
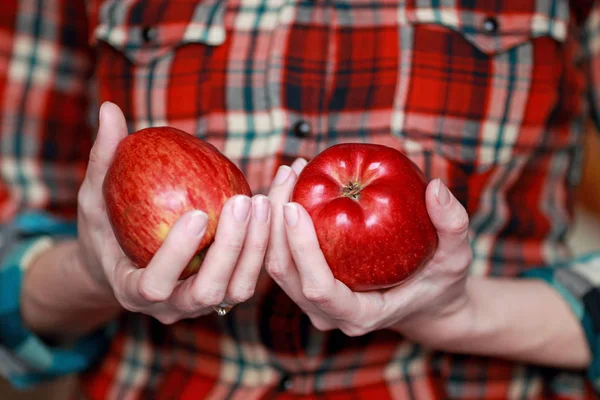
(367,203)
(431,301)
(156,175)
(231,265)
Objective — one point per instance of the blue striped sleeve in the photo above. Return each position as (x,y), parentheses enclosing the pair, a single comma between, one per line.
(25,359)
(578,283)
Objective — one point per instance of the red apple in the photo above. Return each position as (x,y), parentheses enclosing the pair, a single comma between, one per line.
(156,176)
(367,203)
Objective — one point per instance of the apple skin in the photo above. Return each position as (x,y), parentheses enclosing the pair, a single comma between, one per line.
(157,175)
(367,203)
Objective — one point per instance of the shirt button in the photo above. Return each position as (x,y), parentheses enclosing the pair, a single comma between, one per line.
(148,34)
(302,129)
(286,384)
(490,25)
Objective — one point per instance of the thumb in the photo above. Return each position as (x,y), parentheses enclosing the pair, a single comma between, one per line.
(112,130)
(447,215)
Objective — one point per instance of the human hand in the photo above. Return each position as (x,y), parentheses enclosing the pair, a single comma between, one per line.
(230,268)
(426,307)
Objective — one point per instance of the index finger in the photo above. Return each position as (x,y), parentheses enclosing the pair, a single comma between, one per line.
(319,286)
(160,277)
(279,262)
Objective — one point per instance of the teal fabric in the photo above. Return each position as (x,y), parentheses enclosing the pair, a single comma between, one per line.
(27,359)
(577,282)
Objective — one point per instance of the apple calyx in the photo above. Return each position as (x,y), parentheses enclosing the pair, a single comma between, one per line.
(352,190)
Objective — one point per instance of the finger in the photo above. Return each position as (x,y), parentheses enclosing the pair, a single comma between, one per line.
(279,262)
(161,275)
(243,282)
(125,281)
(278,255)
(111,131)
(209,286)
(447,215)
(321,323)
(319,286)
(298,165)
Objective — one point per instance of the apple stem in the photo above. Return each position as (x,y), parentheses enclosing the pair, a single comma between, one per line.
(352,189)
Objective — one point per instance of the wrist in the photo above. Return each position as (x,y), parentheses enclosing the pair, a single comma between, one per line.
(59,296)
(91,277)
(445,330)
(520,320)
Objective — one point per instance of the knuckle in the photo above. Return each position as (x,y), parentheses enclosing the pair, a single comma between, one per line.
(124,300)
(466,257)
(240,294)
(87,204)
(460,262)
(167,319)
(197,299)
(320,324)
(126,303)
(128,307)
(118,294)
(258,246)
(94,157)
(354,330)
(207,297)
(152,294)
(316,295)
(460,224)
(83,197)
(185,307)
(275,269)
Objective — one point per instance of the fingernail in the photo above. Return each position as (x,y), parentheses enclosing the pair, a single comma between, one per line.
(442,193)
(298,165)
(262,207)
(197,223)
(241,208)
(282,174)
(291,214)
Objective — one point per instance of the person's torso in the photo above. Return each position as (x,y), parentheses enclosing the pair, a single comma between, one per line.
(486,95)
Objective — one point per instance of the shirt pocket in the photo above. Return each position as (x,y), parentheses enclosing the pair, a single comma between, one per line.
(159,60)
(144,31)
(479,87)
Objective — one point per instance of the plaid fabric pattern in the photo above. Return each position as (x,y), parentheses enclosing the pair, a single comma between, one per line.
(489,96)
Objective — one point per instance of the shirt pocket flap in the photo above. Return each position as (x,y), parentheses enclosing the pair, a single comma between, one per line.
(142,39)
(494,33)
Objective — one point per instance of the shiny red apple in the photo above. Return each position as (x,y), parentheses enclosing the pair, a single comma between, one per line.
(367,203)
(156,176)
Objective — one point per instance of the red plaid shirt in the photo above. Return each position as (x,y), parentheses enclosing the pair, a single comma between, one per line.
(490,96)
